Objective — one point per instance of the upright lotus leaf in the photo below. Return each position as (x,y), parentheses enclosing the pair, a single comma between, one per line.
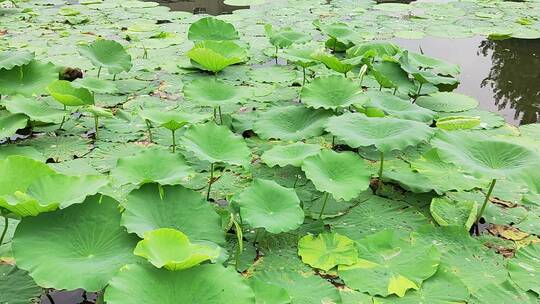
(107,54)
(327,250)
(374,49)
(452,123)
(210,28)
(214,143)
(284,37)
(449,213)
(389,264)
(36,110)
(300,57)
(291,123)
(29,79)
(447,102)
(397,107)
(524,267)
(334,63)
(11,59)
(96,85)
(10,123)
(289,155)
(441,288)
(210,283)
(85,241)
(344,175)
(332,92)
(340,32)
(214,56)
(152,166)
(68,95)
(266,204)
(16,286)
(427,72)
(148,208)
(390,75)
(172,249)
(434,65)
(212,92)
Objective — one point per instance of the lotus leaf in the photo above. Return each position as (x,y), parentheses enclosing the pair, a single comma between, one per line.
(214,143)
(11,59)
(212,284)
(375,49)
(340,32)
(447,102)
(152,165)
(289,155)
(210,28)
(506,292)
(16,286)
(397,107)
(96,85)
(284,37)
(85,241)
(272,74)
(525,267)
(390,264)
(449,213)
(29,79)
(172,249)
(327,250)
(334,63)
(332,92)
(172,120)
(291,123)
(390,75)
(300,57)
(36,110)
(451,123)
(148,208)
(65,93)
(107,54)
(266,204)
(344,175)
(11,123)
(269,293)
(212,92)
(214,56)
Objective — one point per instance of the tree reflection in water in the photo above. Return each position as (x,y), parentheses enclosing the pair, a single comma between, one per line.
(514,77)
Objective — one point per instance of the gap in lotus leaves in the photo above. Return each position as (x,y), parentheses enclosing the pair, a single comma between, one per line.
(210,7)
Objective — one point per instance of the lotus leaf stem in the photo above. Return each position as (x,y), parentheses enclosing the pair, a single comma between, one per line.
(50,298)
(296,180)
(63,119)
(395,90)
(380,175)
(240,240)
(418,92)
(96,126)
(277,49)
(335,45)
(210,181)
(6,224)
(114,77)
(324,205)
(173,141)
(149,128)
(486,200)
(259,234)
(220,116)
(215,114)
(99,72)
(304,80)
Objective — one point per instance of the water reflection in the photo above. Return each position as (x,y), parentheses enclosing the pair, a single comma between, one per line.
(211,7)
(514,77)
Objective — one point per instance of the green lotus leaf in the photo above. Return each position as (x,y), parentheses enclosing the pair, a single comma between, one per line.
(210,283)
(16,286)
(148,208)
(374,49)
(450,213)
(531,131)
(11,59)
(65,93)
(484,157)
(441,288)
(341,32)
(172,120)
(333,63)
(214,56)
(344,175)
(389,264)
(214,143)
(451,123)
(96,85)
(29,79)
(152,166)
(506,292)
(386,134)
(300,57)
(266,204)
(332,92)
(291,123)
(289,155)
(170,248)
(36,110)
(447,102)
(327,250)
(397,107)
(272,74)
(436,66)
(284,37)
(10,123)
(269,293)
(210,28)
(85,241)
(390,75)
(525,267)
(213,92)
(488,120)
(98,111)
(107,54)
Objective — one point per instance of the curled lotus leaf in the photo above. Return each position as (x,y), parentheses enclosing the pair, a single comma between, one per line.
(386,133)
(88,235)
(170,248)
(65,93)
(107,54)
(388,263)
(214,56)
(289,155)
(266,204)
(11,123)
(291,123)
(29,79)
(172,120)
(327,250)
(449,213)
(344,175)
(11,59)
(213,92)
(332,92)
(36,110)
(300,57)
(397,107)
(210,28)
(333,63)
(284,37)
